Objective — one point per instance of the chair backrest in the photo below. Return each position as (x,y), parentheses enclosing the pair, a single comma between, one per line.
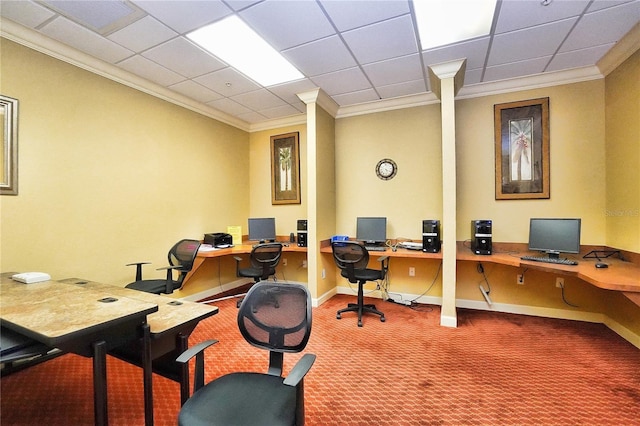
(350,254)
(276,317)
(183,253)
(266,256)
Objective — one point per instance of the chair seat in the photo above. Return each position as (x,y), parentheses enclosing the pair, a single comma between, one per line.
(152,286)
(364,274)
(254,272)
(264,400)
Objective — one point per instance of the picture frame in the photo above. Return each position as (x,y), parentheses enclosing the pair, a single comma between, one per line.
(285,169)
(9,152)
(522,150)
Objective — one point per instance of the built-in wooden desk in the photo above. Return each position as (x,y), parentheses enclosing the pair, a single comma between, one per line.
(88,322)
(621,275)
(237,249)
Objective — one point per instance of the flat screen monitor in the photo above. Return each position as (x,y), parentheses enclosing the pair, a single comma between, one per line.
(371,230)
(262,229)
(554,236)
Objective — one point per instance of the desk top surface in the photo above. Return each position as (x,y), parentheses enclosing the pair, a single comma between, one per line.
(244,249)
(172,313)
(54,311)
(619,276)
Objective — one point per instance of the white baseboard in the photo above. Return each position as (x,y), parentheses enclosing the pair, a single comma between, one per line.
(213,291)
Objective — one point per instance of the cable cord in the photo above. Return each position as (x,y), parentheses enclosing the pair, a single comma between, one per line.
(480,270)
(565,300)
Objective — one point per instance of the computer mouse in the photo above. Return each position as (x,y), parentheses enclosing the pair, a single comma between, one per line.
(601,265)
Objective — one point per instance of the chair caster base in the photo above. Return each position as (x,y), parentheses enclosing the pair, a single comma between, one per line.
(338,316)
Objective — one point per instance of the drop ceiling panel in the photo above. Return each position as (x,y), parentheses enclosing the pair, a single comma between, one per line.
(258,100)
(589,32)
(185,15)
(281,111)
(27,13)
(373,43)
(195,91)
(143,34)
(285,24)
(72,34)
(344,81)
(229,106)
(183,57)
(355,98)
(535,42)
(227,82)
(475,51)
(321,56)
(347,15)
(397,70)
(578,58)
(515,15)
(402,89)
(288,91)
(150,70)
(517,69)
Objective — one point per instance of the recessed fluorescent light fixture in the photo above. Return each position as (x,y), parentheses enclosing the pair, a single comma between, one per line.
(239,46)
(442,22)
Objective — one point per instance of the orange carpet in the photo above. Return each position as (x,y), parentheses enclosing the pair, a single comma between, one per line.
(493,369)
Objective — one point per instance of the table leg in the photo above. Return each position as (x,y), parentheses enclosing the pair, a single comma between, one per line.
(100,383)
(147,371)
(182,343)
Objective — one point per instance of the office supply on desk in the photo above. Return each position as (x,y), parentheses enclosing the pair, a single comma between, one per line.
(481,236)
(302,232)
(410,245)
(431,236)
(180,257)
(31,277)
(352,258)
(236,234)
(250,398)
(262,229)
(218,239)
(546,259)
(601,265)
(554,236)
(375,248)
(371,230)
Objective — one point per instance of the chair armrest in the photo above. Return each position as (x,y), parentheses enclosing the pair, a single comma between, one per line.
(300,370)
(384,263)
(138,266)
(198,352)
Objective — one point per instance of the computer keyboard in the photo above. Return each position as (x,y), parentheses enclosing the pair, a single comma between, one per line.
(375,248)
(546,259)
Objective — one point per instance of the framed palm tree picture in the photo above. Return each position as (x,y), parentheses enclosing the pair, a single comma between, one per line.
(522,149)
(285,169)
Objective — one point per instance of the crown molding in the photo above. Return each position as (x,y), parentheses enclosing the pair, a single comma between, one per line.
(619,53)
(55,49)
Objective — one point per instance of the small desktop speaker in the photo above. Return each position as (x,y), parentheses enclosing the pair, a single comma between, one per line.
(431,236)
(302,232)
(481,232)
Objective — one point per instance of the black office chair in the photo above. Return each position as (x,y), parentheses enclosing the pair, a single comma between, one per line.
(264,258)
(181,257)
(250,398)
(352,258)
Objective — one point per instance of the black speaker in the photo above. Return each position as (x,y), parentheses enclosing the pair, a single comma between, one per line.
(431,236)
(302,232)
(481,233)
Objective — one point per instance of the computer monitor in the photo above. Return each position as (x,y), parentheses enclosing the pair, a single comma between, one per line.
(262,229)
(554,236)
(371,230)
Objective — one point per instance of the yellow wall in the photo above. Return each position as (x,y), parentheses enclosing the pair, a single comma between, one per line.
(109,175)
(412,138)
(260,181)
(623,155)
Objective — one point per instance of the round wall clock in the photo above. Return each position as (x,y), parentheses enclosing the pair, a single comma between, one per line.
(386,169)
